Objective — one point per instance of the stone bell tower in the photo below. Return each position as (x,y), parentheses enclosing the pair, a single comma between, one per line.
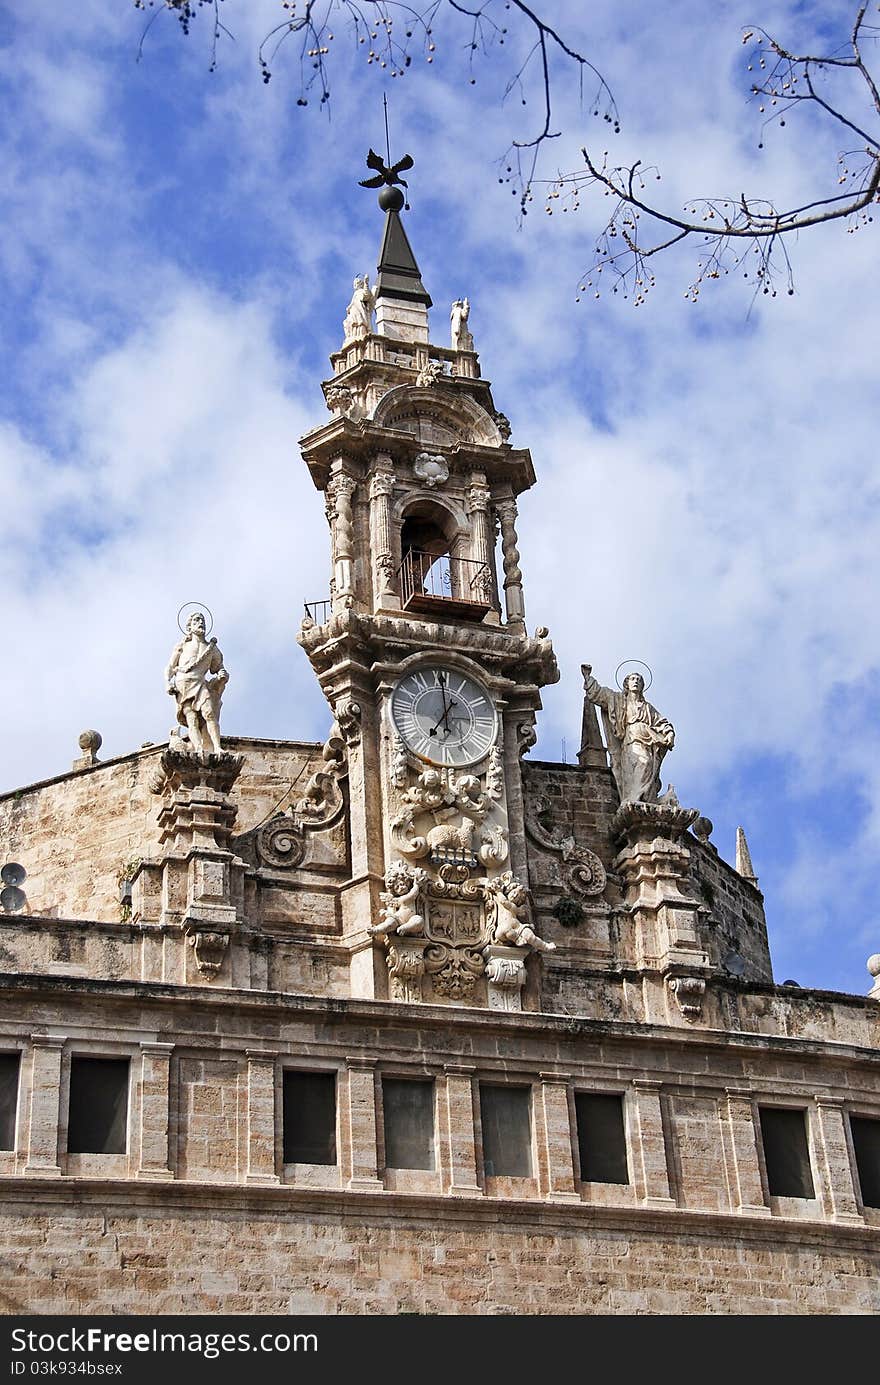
(421,647)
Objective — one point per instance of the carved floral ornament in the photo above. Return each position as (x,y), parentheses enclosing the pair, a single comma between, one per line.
(444,814)
(282,842)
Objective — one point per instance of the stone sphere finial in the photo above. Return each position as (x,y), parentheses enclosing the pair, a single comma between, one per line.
(702,829)
(391,199)
(90,743)
(873,964)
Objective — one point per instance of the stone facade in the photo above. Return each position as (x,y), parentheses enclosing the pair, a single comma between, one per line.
(413,898)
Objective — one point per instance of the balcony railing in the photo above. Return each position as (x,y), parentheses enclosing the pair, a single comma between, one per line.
(318,611)
(454,586)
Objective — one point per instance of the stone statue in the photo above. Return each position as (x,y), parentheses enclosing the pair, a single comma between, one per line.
(399,901)
(638,736)
(458,316)
(359,316)
(196,678)
(508,902)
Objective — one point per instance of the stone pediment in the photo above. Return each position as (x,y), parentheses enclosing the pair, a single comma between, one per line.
(438,413)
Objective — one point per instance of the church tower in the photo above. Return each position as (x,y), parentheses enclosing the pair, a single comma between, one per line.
(421,647)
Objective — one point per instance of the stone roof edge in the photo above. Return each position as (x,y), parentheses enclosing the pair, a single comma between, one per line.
(154,748)
(351,1204)
(345,1009)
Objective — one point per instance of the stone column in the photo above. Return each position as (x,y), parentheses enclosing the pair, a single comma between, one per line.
(741,1155)
(340,489)
(555,1162)
(385,592)
(836,1189)
(202,879)
(361,1113)
(261,1117)
(651,1175)
(513,592)
(482,542)
(154,1114)
(42,1146)
(457,1106)
(654,865)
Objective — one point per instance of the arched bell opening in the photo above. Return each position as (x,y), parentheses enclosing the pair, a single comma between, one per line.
(436,574)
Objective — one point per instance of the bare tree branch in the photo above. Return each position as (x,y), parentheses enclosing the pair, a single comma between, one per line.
(734,233)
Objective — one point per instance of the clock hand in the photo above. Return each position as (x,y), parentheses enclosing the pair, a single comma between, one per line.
(444,716)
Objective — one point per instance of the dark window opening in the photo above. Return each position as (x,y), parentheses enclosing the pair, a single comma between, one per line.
(786,1152)
(866,1143)
(409,1123)
(97,1119)
(435,567)
(309,1117)
(8,1098)
(507,1137)
(601,1138)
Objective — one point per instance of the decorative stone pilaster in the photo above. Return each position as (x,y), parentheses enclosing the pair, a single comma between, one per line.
(506,976)
(155,1093)
(741,1155)
(650,1172)
(457,1106)
(385,594)
(482,544)
(654,864)
(406,967)
(42,1136)
(261,1117)
(361,1122)
(340,490)
(555,1163)
(513,592)
(836,1189)
(202,880)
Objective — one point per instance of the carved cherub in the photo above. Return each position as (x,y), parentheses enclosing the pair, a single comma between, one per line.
(399,906)
(508,902)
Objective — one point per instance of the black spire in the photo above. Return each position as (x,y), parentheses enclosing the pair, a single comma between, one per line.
(399,274)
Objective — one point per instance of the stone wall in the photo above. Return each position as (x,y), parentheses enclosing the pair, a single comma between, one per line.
(74,834)
(582,802)
(126,1251)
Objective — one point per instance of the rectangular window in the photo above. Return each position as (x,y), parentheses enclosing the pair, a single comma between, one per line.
(8,1098)
(866,1143)
(786,1153)
(601,1138)
(409,1123)
(309,1117)
(97,1118)
(507,1137)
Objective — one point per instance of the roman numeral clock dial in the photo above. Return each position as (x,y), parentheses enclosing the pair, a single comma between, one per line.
(443,716)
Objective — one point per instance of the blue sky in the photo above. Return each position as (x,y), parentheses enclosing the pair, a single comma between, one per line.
(176,259)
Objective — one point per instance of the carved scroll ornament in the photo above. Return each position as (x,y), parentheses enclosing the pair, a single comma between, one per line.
(586,874)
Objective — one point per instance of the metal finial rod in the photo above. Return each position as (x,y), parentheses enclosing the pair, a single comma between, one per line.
(387,136)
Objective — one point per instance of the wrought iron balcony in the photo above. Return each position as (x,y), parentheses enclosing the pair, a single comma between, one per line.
(435,585)
(318,611)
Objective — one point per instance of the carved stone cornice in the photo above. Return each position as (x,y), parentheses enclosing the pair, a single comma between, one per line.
(635,821)
(356,637)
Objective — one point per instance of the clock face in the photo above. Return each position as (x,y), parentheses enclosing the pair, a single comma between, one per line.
(443,716)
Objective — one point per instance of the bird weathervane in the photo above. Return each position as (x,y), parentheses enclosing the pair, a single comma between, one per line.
(385,176)
(388,180)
